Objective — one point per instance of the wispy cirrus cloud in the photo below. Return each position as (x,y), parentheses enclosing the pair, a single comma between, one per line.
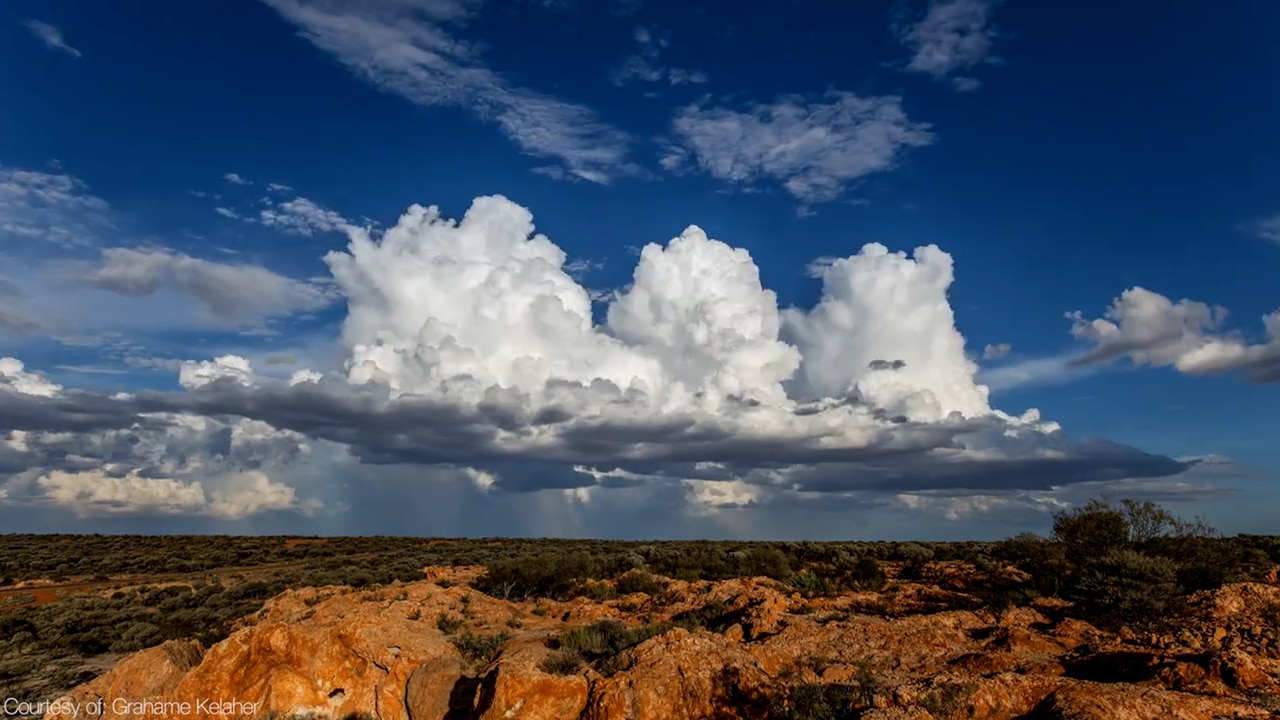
(51,36)
(49,206)
(625,8)
(13,321)
(645,64)
(813,148)
(954,36)
(410,48)
(1268,229)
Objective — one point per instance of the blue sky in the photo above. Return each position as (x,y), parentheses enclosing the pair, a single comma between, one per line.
(170,184)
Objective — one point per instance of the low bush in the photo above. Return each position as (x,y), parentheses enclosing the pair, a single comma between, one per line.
(714,616)
(1126,587)
(480,649)
(449,624)
(555,576)
(639,581)
(946,701)
(605,638)
(816,701)
(562,662)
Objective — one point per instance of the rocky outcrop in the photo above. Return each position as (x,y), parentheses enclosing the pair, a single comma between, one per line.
(1109,702)
(436,689)
(334,665)
(737,649)
(151,673)
(517,688)
(678,675)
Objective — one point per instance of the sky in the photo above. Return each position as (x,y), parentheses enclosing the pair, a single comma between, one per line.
(628,269)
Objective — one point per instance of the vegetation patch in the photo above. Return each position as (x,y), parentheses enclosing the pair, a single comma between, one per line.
(481,649)
(562,662)
(946,701)
(601,643)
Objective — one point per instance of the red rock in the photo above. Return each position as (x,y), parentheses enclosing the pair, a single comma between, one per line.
(150,673)
(677,675)
(517,688)
(1126,702)
(431,688)
(1239,671)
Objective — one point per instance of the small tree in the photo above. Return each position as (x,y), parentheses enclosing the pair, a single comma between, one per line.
(1090,530)
(1147,520)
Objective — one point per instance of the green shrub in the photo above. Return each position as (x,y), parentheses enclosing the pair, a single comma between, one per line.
(480,648)
(914,558)
(1044,560)
(1126,587)
(867,575)
(562,662)
(947,700)
(815,701)
(605,638)
(714,616)
(639,581)
(598,591)
(807,582)
(554,576)
(766,562)
(1090,531)
(449,624)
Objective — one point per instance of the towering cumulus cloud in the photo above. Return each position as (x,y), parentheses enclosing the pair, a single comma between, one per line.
(694,373)
(470,348)
(457,309)
(884,329)
(460,310)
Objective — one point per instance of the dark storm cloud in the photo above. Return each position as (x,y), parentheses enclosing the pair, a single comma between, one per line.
(499,436)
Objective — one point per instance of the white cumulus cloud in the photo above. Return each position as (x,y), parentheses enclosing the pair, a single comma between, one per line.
(301,216)
(885,331)
(1150,329)
(996,351)
(693,360)
(92,493)
(158,464)
(14,375)
(814,149)
(953,36)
